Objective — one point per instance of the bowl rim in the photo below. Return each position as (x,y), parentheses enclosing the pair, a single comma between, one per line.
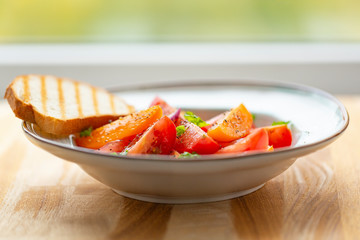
(199,83)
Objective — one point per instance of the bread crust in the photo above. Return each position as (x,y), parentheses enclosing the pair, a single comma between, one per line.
(51,124)
(21,110)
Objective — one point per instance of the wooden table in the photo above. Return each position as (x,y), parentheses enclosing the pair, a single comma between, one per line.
(44,197)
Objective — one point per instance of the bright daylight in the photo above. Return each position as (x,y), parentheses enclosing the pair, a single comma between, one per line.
(166,120)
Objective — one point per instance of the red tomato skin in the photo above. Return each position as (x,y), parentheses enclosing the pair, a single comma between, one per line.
(279,135)
(258,139)
(167,109)
(225,144)
(116,146)
(214,120)
(194,139)
(157,139)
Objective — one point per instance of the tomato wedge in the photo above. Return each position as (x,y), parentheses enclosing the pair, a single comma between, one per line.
(195,140)
(124,127)
(116,146)
(236,124)
(279,135)
(157,139)
(175,154)
(258,139)
(167,109)
(213,121)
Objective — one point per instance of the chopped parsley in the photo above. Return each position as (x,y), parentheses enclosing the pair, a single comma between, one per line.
(180,130)
(191,117)
(189,155)
(86,132)
(280,123)
(253,117)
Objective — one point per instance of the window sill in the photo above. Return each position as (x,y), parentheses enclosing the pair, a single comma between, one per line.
(333,67)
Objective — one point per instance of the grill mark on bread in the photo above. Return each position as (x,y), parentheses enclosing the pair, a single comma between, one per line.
(112,104)
(31,94)
(96,105)
(61,98)
(43,94)
(78,100)
(26,89)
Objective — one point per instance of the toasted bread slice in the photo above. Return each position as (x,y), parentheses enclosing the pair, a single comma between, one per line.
(62,106)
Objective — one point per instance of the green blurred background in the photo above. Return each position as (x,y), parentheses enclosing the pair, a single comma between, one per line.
(69,21)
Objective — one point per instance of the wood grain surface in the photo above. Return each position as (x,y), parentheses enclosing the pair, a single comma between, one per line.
(44,197)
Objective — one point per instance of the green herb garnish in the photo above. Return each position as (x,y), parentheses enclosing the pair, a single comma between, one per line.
(180,130)
(189,155)
(114,153)
(124,153)
(191,117)
(253,117)
(280,123)
(86,132)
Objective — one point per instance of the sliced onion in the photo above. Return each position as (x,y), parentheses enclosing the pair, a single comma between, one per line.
(175,115)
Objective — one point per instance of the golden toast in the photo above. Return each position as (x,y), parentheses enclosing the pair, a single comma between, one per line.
(62,106)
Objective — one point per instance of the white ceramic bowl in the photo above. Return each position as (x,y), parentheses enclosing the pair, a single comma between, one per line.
(317,119)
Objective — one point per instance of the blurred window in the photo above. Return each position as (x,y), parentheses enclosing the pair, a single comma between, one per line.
(27,21)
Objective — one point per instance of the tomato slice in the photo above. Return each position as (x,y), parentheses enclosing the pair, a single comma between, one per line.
(124,127)
(157,139)
(195,140)
(175,153)
(258,139)
(236,124)
(213,121)
(279,135)
(116,146)
(225,144)
(167,109)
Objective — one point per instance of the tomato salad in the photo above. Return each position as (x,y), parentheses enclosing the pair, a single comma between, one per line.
(163,129)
